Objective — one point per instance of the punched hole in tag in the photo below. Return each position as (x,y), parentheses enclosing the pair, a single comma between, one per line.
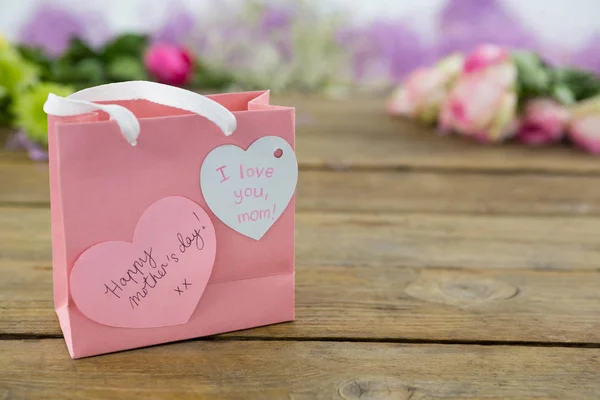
(278,153)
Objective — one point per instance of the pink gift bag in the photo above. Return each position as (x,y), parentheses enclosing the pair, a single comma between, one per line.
(172,214)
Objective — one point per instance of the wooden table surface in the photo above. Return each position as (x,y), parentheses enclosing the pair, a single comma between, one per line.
(427,267)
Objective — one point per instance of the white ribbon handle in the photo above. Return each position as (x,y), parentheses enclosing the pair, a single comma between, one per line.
(82,102)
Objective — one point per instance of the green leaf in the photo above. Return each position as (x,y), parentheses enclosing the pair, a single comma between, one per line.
(28,109)
(563,94)
(533,77)
(78,50)
(583,84)
(86,72)
(16,73)
(211,77)
(63,72)
(78,65)
(89,71)
(34,54)
(526,59)
(130,45)
(127,68)
(6,116)
(38,57)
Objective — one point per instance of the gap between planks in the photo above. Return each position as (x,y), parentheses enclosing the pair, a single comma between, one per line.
(342,167)
(308,210)
(240,338)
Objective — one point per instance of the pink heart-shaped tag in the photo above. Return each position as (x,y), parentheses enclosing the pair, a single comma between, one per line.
(158,279)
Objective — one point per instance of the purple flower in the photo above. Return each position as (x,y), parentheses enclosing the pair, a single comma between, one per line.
(234,34)
(589,56)
(276,27)
(384,50)
(52,27)
(178,28)
(276,18)
(20,141)
(466,23)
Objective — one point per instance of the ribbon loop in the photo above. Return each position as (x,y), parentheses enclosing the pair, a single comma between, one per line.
(84,102)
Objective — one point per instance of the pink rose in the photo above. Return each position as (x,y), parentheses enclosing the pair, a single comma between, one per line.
(485,56)
(543,122)
(169,64)
(483,101)
(584,128)
(424,90)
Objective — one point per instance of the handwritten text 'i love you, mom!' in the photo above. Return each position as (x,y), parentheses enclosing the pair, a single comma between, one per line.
(253,179)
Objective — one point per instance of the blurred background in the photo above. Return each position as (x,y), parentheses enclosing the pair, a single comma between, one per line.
(311,44)
(493,70)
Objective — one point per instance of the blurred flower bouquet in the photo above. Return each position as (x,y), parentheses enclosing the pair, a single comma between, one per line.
(281,47)
(285,45)
(22,95)
(494,95)
(28,74)
(298,45)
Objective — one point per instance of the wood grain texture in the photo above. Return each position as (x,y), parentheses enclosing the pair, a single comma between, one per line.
(403,240)
(398,144)
(357,133)
(384,303)
(466,241)
(299,370)
(388,191)
(439,192)
(403,236)
(24,183)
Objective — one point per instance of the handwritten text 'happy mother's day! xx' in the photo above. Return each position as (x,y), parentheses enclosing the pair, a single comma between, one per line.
(253,176)
(147,271)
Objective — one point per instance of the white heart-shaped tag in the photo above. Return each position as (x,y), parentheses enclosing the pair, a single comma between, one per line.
(249,190)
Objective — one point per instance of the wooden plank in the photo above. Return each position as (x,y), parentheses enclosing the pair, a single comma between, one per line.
(13,156)
(24,183)
(409,191)
(406,240)
(467,241)
(407,146)
(300,370)
(356,132)
(388,191)
(10,156)
(380,303)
